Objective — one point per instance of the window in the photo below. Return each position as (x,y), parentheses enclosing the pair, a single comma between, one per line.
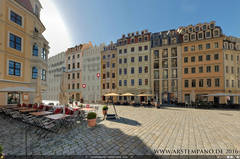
(104,57)
(200,69)
(68,86)
(216,68)
(232,70)
(227,83)
(34,73)
(69,57)
(120,83)
(73,57)
(132,82)
(156,54)
(73,76)
(185,70)
(15,42)
(120,71)
(140,39)
(226,56)
(73,66)
(146,69)
(201,83)
(132,70)
(185,49)
(104,66)
(200,36)
(125,60)
(200,47)
(139,82)
(73,86)
(140,70)
(174,73)
(120,51)
(78,85)
(125,51)
(103,86)
(146,82)
(125,82)
(13,98)
(43,55)
(216,57)
(226,69)
(145,47)
(78,75)
(120,61)
(209,84)
(132,49)
(217,82)
(14,68)
(113,65)
(107,85)
(208,57)
(69,76)
(208,46)
(35,50)
(113,55)
(69,66)
(193,59)
(78,56)
(232,57)
(146,58)
(186,83)
(125,71)
(132,59)
(208,34)
(193,83)
(232,83)
(140,48)
(78,65)
(140,58)
(193,70)
(185,59)
(113,75)
(208,68)
(216,45)
(16,18)
(113,85)
(193,48)
(43,75)
(199,58)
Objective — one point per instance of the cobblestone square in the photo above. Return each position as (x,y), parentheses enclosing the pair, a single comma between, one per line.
(139,131)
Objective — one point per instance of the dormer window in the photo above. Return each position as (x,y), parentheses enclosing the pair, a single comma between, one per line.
(197,29)
(212,25)
(204,27)
(216,33)
(37,10)
(231,46)
(190,29)
(193,37)
(140,39)
(186,38)
(208,34)
(225,45)
(132,41)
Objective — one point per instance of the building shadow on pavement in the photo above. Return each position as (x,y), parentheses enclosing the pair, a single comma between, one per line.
(126,121)
(18,138)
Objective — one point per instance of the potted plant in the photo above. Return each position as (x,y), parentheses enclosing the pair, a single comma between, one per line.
(91,118)
(104,109)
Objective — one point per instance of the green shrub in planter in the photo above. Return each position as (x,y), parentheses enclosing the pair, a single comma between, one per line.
(105,107)
(91,115)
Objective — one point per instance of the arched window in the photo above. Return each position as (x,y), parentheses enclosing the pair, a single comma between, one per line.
(34,72)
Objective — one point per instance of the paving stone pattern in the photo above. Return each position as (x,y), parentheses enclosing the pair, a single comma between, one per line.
(139,131)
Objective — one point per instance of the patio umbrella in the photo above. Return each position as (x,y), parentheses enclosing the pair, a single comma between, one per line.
(111,95)
(127,94)
(145,95)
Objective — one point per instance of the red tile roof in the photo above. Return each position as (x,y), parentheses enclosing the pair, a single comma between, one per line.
(26,4)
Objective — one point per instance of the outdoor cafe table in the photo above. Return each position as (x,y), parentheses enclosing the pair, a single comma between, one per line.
(20,108)
(42,113)
(28,110)
(57,116)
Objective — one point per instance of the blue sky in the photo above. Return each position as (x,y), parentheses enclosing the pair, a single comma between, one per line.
(105,20)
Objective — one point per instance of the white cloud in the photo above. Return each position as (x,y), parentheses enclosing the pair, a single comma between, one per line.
(56,31)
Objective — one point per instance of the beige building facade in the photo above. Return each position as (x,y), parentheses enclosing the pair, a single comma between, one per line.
(23,52)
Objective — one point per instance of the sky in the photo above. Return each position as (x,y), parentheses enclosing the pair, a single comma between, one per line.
(72,22)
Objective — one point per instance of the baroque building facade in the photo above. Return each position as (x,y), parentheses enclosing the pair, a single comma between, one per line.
(23,52)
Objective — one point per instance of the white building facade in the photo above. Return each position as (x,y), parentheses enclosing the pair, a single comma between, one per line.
(56,67)
(91,78)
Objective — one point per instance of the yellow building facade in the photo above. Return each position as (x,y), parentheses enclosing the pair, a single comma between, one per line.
(23,52)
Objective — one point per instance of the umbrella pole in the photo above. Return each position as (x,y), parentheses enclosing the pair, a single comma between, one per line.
(114,109)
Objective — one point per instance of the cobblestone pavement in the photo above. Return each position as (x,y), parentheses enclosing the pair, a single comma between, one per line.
(139,131)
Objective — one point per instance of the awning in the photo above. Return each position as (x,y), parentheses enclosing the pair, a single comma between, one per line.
(17,89)
(221,95)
